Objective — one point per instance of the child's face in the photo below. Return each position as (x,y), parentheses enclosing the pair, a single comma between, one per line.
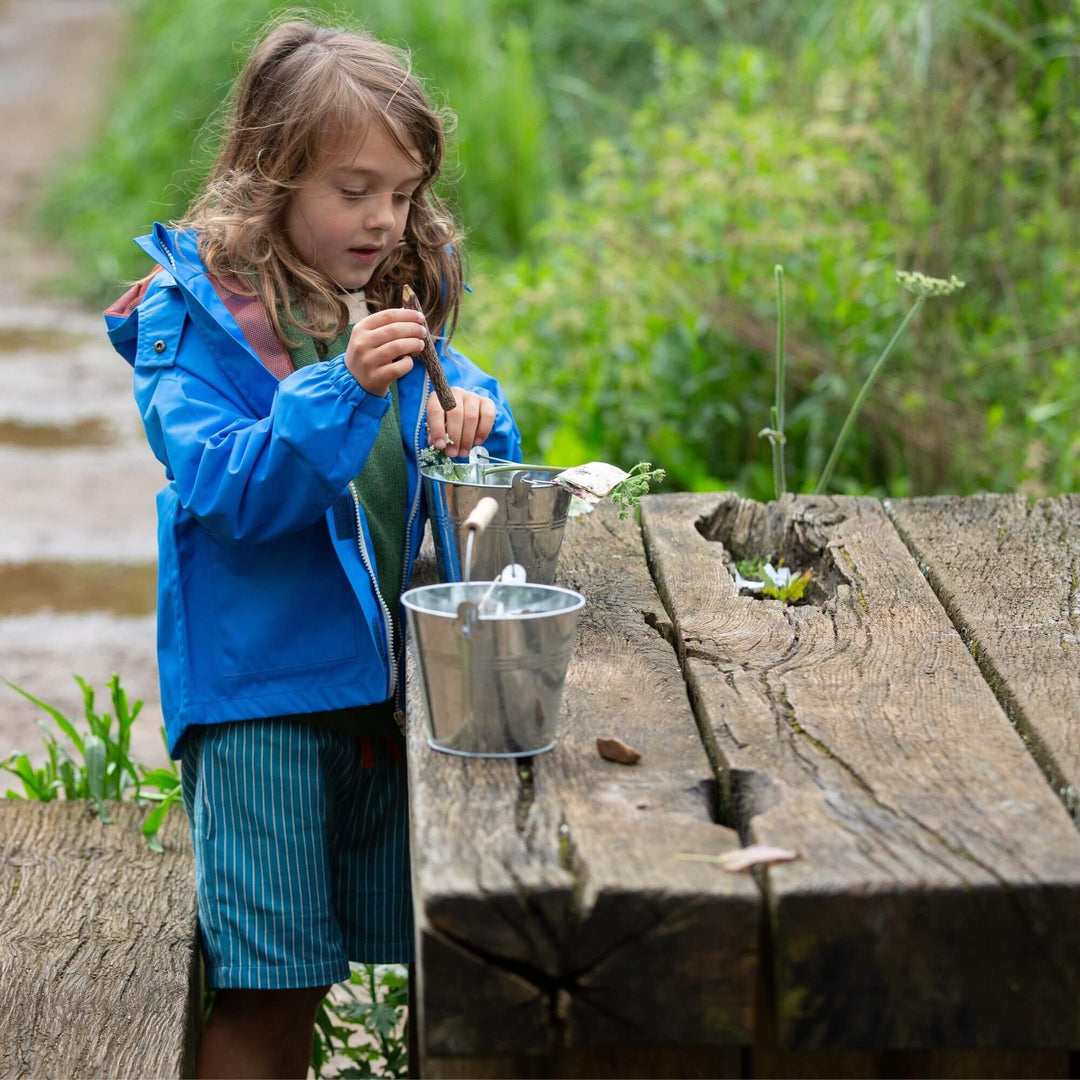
(344,222)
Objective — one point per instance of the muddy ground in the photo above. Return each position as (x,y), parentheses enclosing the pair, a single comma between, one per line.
(77,481)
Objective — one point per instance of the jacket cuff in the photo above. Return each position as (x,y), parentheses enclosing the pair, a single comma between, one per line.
(352,393)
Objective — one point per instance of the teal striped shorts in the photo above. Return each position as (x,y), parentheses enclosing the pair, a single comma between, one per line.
(301,852)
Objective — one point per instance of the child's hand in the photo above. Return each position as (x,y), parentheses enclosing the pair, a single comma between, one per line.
(456,432)
(381,347)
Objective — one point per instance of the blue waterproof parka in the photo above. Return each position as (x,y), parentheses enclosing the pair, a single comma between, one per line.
(268,599)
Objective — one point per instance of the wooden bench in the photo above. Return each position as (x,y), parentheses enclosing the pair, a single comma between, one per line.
(99,973)
(931,925)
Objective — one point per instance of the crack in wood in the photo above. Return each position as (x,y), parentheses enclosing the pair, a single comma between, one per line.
(526,793)
(784,711)
(1014,711)
(1071,612)
(663,627)
(559,990)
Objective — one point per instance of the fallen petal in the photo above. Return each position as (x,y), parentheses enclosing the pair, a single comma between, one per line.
(746,583)
(616,750)
(754,855)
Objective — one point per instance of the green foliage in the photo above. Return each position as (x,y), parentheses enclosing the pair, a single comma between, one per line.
(753,568)
(369,1028)
(639,326)
(842,139)
(95,764)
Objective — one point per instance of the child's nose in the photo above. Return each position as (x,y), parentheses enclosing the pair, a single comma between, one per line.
(380,216)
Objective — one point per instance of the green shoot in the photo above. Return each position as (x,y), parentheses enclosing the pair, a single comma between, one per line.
(922,287)
(775,434)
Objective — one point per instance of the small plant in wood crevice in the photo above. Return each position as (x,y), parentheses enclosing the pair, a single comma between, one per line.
(922,288)
(759,577)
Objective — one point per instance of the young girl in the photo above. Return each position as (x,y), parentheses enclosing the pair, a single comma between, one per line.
(274,370)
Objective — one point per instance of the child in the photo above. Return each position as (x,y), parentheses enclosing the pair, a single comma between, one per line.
(289,420)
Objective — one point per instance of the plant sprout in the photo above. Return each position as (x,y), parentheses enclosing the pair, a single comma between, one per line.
(922,287)
(775,434)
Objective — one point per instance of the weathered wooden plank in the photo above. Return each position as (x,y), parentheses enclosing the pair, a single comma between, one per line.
(98,948)
(937,899)
(552,914)
(1007,574)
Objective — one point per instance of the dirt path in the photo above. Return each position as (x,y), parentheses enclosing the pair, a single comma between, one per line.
(77,481)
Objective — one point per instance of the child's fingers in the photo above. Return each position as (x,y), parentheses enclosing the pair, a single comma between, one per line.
(394,350)
(486,420)
(380,335)
(470,417)
(436,418)
(399,368)
(390,315)
(458,430)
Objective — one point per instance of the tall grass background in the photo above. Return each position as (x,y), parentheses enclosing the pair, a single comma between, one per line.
(628,175)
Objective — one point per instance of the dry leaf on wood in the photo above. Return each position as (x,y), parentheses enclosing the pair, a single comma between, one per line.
(744,858)
(616,750)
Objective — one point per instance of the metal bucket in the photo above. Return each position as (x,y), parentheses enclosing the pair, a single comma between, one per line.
(527,528)
(492,659)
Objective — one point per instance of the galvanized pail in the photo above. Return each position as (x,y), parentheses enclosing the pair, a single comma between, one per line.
(527,528)
(492,659)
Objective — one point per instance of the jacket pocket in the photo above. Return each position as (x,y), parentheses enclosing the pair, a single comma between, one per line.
(283,604)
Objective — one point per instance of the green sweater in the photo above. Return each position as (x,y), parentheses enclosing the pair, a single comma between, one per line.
(382,489)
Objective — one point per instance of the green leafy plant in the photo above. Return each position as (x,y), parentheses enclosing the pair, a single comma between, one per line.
(95,764)
(365,1021)
(627,494)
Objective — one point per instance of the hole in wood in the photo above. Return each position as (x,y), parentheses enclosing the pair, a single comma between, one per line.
(770,532)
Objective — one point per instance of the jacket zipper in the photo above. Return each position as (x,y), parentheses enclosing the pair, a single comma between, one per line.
(365,558)
(396,691)
(399,702)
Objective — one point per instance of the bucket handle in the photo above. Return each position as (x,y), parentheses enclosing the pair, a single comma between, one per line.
(474,525)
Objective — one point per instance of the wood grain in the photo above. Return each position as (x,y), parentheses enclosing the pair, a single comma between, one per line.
(937,899)
(1007,572)
(98,953)
(553,915)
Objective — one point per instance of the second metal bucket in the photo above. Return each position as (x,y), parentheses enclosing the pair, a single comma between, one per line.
(527,528)
(493,677)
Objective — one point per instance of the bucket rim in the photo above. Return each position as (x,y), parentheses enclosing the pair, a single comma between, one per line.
(427,473)
(452,615)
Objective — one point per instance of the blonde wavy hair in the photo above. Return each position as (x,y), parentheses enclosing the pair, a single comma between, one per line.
(304,95)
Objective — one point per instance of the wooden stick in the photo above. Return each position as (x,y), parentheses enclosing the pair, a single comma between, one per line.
(429,357)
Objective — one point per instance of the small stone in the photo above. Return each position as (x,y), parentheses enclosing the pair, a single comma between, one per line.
(613,749)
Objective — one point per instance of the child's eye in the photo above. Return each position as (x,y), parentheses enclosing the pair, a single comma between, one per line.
(352,194)
(402,198)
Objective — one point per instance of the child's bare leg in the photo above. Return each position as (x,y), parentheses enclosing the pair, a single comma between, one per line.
(259,1033)
(296,1059)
